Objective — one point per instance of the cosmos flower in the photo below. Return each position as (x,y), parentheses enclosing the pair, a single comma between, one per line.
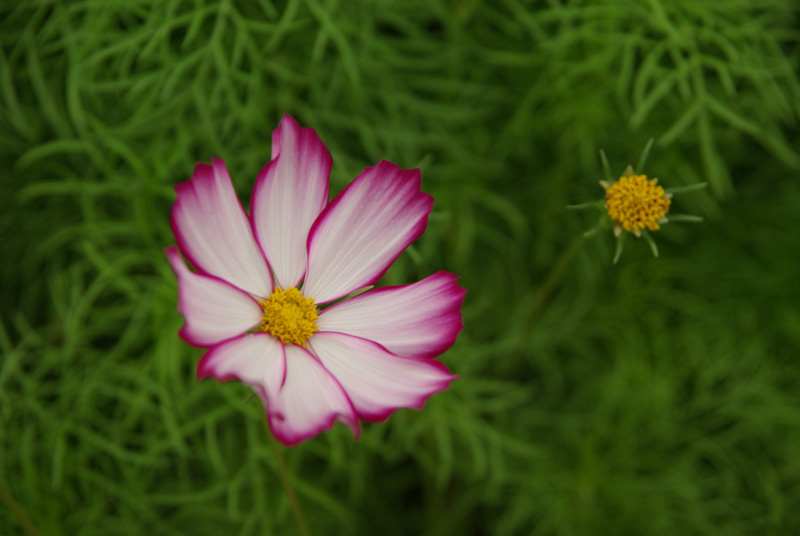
(266,296)
(635,205)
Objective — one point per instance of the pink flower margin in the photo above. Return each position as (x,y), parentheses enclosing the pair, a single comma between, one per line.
(371,354)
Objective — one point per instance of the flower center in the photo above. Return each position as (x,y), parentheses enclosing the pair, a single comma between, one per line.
(289,316)
(636,203)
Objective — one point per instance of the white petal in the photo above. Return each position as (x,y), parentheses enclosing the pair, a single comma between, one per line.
(417,320)
(363,230)
(213,309)
(256,359)
(288,196)
(309,401)
(377,381)
(214,232)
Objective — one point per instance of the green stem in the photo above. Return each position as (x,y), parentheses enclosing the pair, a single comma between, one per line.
(553,278)
(547,288)
(22,519)
(297,513)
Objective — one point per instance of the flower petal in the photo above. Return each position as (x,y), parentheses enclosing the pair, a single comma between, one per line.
(256,359)
(214,232)
(417,320)
(363,230)
(214,310)
(309,401)
(288,196)
(377,381)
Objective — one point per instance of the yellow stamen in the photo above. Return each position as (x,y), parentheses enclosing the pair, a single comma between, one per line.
(289,316)
(635,203)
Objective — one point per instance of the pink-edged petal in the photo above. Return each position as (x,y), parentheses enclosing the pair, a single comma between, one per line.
(301,397)
(417,320)
(288,196)
(214,310)
(309,401)
(377,381)
(363,230)
(256,359)
(214,232)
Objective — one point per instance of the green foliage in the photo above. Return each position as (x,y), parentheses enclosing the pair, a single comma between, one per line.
(655,397)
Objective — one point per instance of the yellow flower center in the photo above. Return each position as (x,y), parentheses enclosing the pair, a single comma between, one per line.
(636,203)
(289,316)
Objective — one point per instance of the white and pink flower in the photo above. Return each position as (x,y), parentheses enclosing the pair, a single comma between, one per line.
(255,298)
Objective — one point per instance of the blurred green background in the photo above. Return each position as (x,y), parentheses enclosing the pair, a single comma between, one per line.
(658,396)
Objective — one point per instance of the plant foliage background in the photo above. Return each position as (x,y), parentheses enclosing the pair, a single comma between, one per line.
(660,396)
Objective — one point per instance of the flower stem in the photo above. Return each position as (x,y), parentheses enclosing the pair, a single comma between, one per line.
(23,520)
(297,513)
(555,275)
(563,262)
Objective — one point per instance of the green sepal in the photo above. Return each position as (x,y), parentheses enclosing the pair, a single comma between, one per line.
(357,292)
(606,167)
(690,218)
(589,204)
(620,246)
(343,298)
(684,189)
(651,242)
(644,155)
(603,223)
(591,232)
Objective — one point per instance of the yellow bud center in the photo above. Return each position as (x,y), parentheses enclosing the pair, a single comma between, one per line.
(636,203)
(289,316)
